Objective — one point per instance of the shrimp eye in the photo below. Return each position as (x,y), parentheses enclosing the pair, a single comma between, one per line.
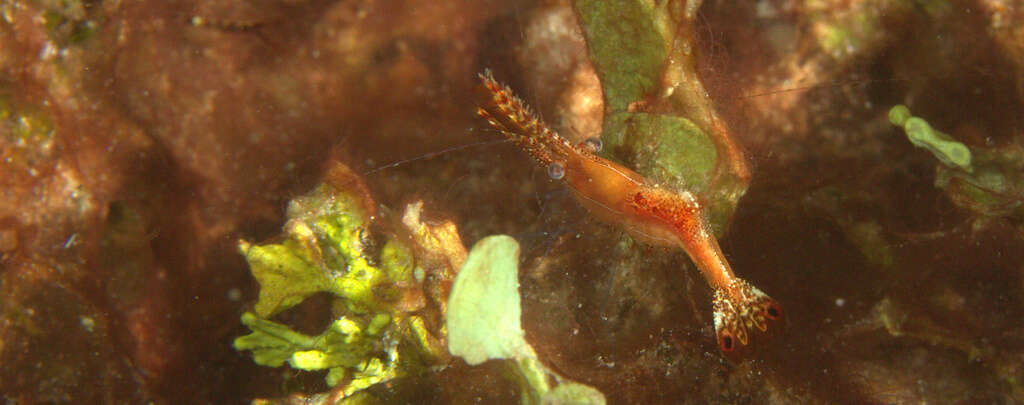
(593,144)
(773,311)
(556,171)
(725,341)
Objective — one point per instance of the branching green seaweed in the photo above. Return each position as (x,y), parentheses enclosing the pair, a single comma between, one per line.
(345,347)
(375,338)
(322,251)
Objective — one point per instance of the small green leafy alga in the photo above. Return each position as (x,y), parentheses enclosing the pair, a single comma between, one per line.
(944,147)
(986,181)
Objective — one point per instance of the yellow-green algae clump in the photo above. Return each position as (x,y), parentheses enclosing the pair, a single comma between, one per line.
(326,247)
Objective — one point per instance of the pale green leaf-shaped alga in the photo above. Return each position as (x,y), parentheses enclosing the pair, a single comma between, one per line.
(483,322)
(483,308)
(573,394)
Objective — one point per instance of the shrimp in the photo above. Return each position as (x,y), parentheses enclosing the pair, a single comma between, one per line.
(647,211)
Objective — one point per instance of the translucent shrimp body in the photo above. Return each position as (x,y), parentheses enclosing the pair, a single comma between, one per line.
(647,211)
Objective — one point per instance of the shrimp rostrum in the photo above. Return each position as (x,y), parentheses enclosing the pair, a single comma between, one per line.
(649,212)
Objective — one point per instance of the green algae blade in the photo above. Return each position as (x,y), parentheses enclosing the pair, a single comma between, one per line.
(483,308)
(285,278)
(626,46)
(271,343)
(574,394)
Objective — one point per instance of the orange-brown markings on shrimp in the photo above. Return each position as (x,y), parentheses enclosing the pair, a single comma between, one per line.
(680,214)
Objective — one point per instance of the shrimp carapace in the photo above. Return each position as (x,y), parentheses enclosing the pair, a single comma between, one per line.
(647,211)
